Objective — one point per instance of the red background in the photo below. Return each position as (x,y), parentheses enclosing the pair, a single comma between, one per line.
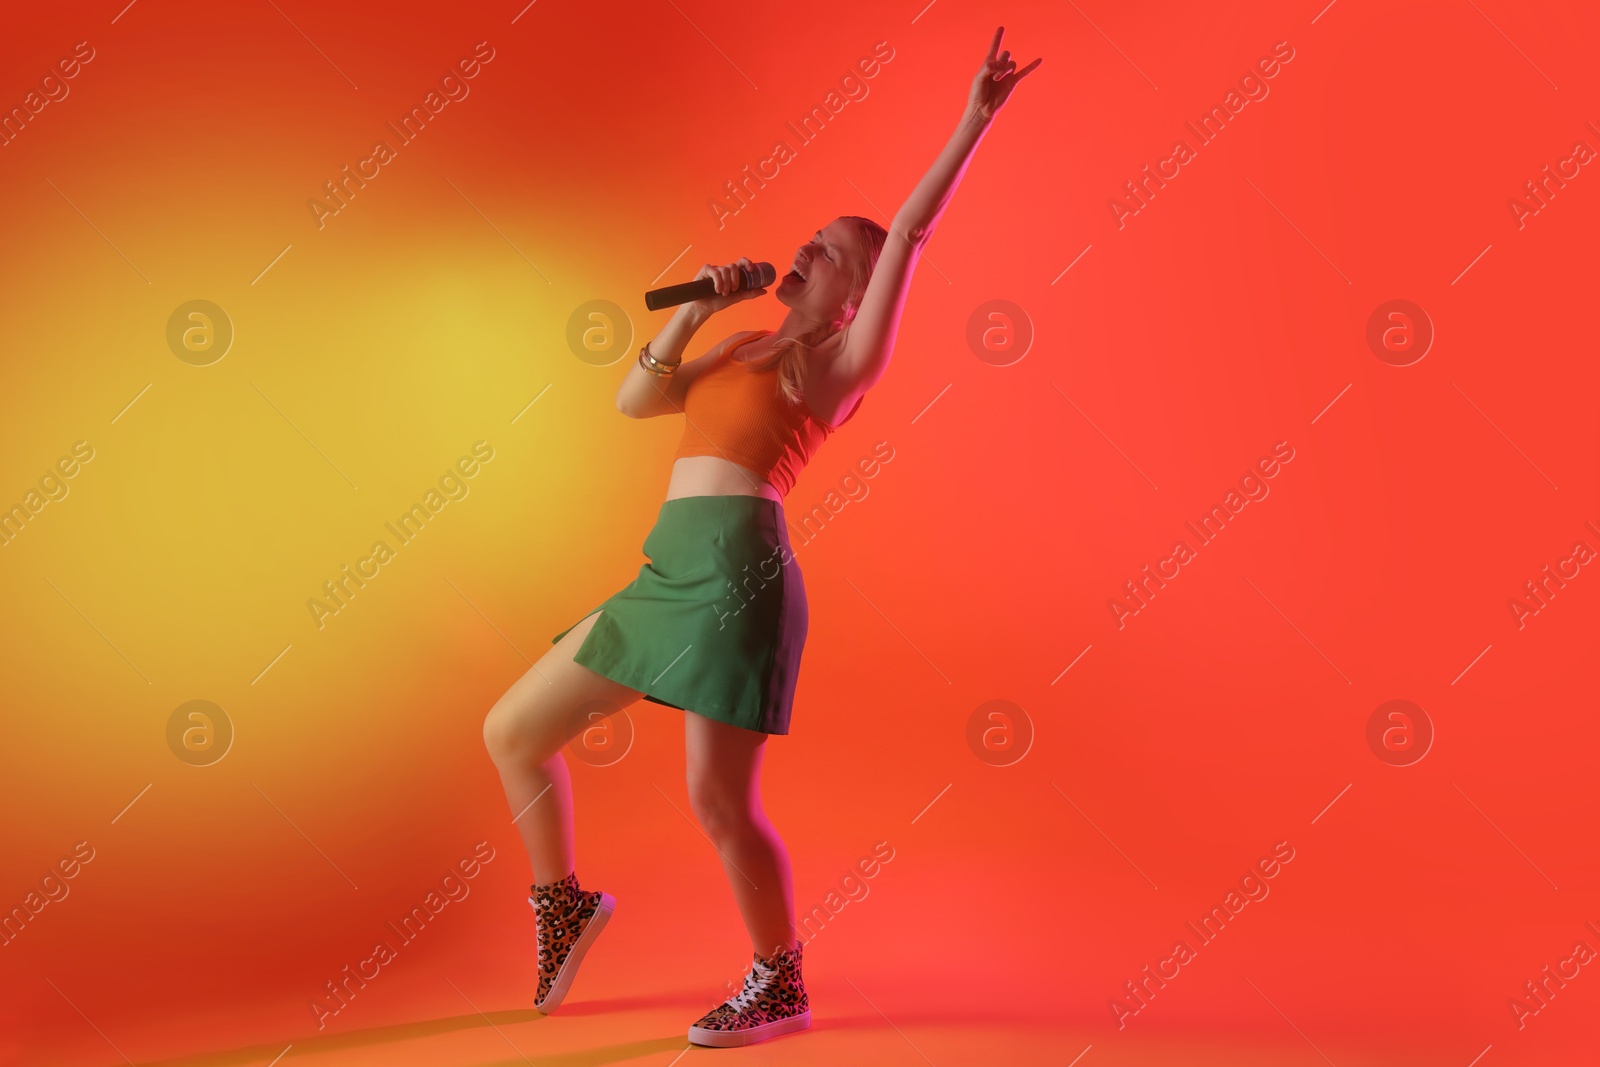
(1222,318)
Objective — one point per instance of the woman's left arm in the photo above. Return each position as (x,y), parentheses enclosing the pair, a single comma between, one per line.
(869,340)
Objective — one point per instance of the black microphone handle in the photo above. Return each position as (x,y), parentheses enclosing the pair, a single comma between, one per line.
(761,276)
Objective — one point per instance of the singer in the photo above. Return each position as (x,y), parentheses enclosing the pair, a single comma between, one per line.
(757,407)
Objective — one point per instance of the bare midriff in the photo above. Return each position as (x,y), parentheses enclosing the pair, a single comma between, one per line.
(715,476)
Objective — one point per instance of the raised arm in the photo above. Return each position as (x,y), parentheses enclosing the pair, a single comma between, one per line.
(869,340)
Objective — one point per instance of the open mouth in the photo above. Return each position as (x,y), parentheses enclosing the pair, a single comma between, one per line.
(795,276)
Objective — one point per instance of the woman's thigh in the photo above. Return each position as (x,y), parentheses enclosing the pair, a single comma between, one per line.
(555,700)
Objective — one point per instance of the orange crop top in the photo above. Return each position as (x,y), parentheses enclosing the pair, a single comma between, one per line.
(739,414)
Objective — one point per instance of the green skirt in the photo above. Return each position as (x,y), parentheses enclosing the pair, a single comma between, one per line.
(716,620)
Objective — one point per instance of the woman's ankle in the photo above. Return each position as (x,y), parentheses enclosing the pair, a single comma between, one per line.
(566,886)
(790,946)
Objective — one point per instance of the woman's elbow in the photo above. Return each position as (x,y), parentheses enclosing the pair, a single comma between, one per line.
(913,232)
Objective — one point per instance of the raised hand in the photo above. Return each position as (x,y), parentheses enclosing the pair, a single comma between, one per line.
(992,85)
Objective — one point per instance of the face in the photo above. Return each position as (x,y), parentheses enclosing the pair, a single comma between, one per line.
(826,267)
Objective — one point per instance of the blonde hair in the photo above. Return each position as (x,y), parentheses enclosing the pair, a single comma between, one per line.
(792,354)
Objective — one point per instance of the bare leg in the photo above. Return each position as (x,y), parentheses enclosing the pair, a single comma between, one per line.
(724,767)
(525,732)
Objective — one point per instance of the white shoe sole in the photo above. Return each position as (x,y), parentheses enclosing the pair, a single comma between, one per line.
(569,966)
(735,1038)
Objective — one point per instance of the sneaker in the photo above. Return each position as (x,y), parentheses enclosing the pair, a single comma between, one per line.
(569,920)
(772,1002)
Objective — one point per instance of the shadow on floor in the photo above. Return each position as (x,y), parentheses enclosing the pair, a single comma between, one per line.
(255,1055)
(693,1004)
(597,1057)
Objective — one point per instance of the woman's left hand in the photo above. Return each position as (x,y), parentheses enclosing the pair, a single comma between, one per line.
(992,85)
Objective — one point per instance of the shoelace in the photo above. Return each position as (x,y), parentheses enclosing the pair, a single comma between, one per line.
(755,984)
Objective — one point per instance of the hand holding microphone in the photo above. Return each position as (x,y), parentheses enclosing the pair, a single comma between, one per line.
(716,287)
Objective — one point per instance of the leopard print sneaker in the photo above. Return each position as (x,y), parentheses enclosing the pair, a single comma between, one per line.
(569,920)
(772,1002)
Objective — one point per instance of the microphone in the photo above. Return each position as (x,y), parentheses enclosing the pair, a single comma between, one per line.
(760,277)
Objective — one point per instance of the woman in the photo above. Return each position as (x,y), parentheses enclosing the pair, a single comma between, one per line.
(715,623)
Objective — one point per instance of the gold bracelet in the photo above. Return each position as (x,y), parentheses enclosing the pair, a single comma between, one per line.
(652,365)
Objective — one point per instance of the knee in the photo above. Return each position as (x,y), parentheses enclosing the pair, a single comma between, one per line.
(506,734)
(723,812)
(497,734)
